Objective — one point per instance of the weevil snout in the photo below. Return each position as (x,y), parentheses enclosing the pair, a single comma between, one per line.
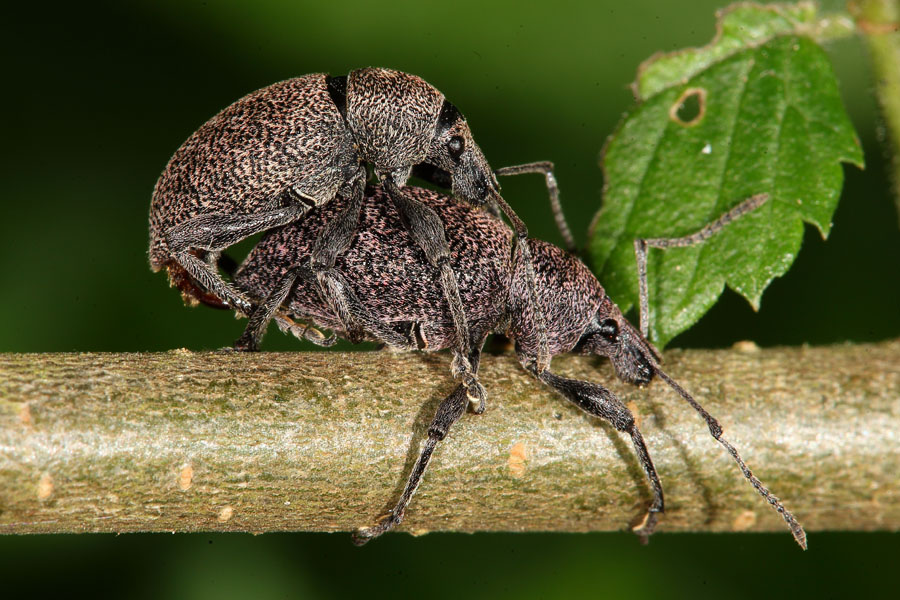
(454,151)
(611,335)
(473,179)
(633,365)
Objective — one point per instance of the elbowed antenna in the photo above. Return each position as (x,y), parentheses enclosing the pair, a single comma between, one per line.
(716,431)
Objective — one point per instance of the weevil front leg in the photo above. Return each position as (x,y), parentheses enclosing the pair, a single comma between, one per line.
(522,248)
(213,232)
(640,249)
(449,411)
(600,402)
(523,257)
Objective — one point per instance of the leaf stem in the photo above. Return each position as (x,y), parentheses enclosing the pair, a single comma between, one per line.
(879,23)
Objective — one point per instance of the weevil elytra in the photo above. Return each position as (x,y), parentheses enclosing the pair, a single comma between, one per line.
(395,287)
(270,157)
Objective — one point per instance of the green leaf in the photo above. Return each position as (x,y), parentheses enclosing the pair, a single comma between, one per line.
(763,115)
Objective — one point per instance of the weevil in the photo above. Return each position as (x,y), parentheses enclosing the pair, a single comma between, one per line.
(273,155)
(394,284)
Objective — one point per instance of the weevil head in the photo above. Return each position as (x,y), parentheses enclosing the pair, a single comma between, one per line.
(454,151)
(610,334)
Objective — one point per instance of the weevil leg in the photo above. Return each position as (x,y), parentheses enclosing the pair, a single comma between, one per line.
(349,309)
(346,305)
(523,255)
(336,236)
(641,245)
(427,231)
(213,232)
(545,168)
(333,240)
(262,315)
(598,401)
(495,204)
(449,411)
(304,331)
(267,310)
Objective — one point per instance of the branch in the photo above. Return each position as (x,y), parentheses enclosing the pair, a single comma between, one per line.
(183,441)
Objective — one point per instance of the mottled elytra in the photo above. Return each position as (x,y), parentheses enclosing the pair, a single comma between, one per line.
(273,155)
(395,291)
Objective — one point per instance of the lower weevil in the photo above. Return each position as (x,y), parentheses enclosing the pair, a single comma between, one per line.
(395,287)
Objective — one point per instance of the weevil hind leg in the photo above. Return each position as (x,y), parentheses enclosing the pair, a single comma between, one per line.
(448,412)
(340,297)
(213,232)
(351,312)
(332,241)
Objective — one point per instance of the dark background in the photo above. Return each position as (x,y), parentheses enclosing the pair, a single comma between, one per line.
(98,96)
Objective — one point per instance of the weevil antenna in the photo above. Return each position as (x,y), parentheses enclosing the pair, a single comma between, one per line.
(716,431)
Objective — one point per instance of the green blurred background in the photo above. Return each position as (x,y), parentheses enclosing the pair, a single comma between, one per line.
(99,95)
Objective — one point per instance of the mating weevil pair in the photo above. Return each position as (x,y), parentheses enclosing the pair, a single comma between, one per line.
(374,263)
(270,157)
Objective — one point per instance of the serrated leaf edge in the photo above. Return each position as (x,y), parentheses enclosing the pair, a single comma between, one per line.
(800,28)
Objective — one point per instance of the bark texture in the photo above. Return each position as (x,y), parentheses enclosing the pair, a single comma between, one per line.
(183,441)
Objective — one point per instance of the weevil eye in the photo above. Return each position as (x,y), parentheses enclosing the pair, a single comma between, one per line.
(609,329)
(455,146)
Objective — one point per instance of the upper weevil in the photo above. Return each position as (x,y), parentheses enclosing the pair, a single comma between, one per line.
(271,156)
(395,289)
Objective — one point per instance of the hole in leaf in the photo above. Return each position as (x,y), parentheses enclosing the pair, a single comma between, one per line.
(690,107)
